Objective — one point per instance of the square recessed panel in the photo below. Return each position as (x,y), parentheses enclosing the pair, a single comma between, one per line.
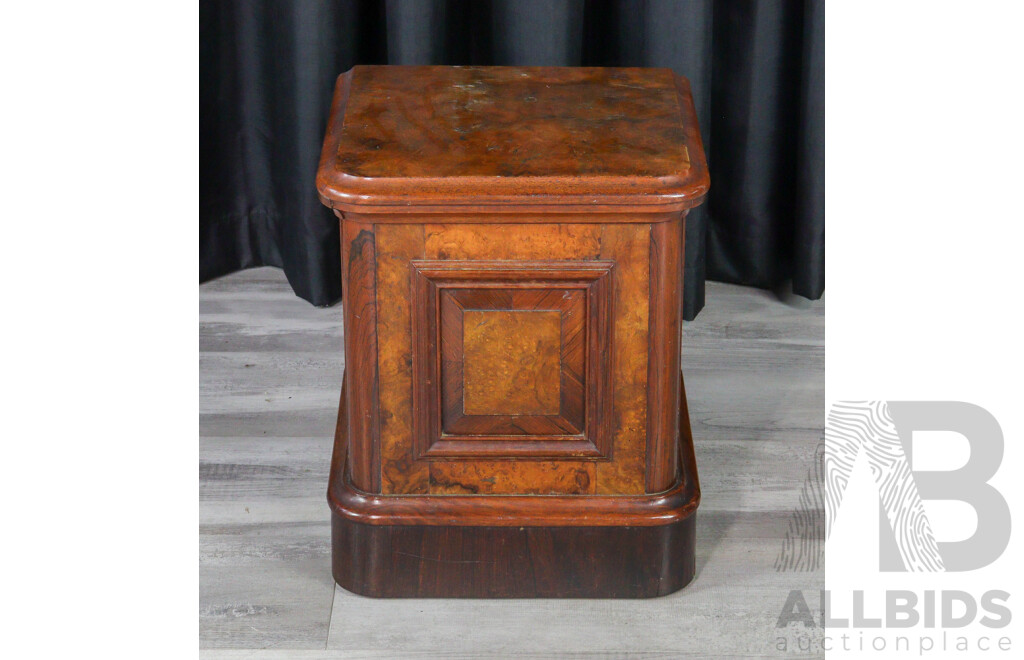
(511,359)
(562,362)
(511,362)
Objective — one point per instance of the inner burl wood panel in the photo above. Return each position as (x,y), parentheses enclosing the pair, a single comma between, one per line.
(511,362)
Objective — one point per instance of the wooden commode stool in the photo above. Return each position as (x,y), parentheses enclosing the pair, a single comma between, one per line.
(513,421)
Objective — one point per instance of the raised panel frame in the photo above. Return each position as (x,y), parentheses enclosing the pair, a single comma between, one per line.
(581,291)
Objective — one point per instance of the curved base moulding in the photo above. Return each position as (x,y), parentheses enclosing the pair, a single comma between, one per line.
(496,546)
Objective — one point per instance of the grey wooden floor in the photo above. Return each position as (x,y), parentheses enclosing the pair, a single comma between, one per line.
(269,377)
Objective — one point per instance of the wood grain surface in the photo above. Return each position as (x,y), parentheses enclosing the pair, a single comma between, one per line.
(565,299)
(629,247)
(359,281)
(502,364)
(513,242)
(511,362)
(397,245)
(665,323)
(498,136)
(517,477)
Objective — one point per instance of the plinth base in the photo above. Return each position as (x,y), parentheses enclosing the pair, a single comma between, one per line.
(446,561)
(514,546)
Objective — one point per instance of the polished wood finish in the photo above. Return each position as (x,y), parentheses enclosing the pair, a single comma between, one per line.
(426,136)
(628,245)
(512,477)
(398,245)
(512,241)
(510,362)
(665,328)
(359,282)
(430,561)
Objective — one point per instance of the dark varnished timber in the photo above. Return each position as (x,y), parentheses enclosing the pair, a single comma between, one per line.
(359,283)
(513,546)
(618,138)
(512,562)
(512,423)
(663,351)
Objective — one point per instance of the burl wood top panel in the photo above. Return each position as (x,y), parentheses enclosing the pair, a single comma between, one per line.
(404,136)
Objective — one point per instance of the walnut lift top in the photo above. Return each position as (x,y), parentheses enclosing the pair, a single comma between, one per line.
(424,136)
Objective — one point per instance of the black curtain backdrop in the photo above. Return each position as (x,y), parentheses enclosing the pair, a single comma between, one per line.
(267,72)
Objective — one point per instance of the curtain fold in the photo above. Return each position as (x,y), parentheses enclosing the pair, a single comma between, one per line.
(756,68)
